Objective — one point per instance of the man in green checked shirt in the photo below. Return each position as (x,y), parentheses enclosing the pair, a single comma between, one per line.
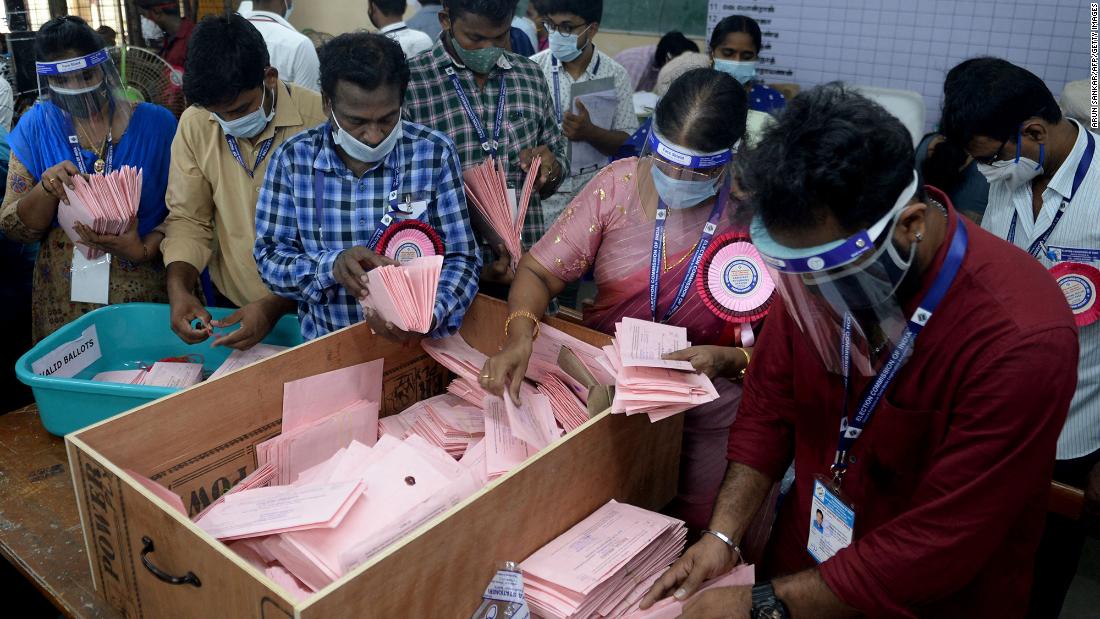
(456,88)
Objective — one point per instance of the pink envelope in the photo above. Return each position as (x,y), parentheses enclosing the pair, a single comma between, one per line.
(311,399)
(533,421)
(670,607)
(160,491)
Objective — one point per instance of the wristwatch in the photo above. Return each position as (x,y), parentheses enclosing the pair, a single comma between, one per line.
(765,605)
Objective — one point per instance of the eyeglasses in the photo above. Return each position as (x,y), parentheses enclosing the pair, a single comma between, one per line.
(566,29)
(995,157)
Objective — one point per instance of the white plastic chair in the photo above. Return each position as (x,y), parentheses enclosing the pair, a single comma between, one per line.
(906,105)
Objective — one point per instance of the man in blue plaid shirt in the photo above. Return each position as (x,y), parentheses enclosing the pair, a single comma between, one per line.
(316,249)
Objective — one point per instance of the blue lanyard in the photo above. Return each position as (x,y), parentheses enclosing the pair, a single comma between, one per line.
(850,431)
(387,218)
(475,120)
(693,266)
(1038,247)
(236,150)
(78,153)
(557,84)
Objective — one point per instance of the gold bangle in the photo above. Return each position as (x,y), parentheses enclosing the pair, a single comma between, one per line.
(523,314)
(748,360)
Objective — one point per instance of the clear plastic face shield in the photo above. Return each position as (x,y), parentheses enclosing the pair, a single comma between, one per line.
(86,88)
(856,277)
(679,177)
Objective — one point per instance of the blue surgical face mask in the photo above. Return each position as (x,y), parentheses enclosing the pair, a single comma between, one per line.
(249,125)
(743,71)
(365,152)
(677,193)
(565,47)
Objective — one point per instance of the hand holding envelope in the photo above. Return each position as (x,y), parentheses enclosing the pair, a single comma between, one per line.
(104,203)
(496,215)
(404,295)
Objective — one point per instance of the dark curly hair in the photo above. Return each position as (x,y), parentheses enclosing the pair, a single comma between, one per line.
(225,57)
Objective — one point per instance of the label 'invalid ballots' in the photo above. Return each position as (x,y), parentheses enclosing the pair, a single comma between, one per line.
(70,358)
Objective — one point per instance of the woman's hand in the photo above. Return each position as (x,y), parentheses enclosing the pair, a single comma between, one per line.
(54,180)
(127,245)
(507,368)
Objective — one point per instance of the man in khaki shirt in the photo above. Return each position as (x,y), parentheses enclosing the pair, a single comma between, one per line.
(241,113)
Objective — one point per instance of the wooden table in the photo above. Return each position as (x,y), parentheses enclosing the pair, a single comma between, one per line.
(39,523)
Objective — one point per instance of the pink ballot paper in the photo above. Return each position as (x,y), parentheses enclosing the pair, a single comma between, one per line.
(495,218)
(597,567)
(405,295)
(643,344)
(281,509)
(160,491)
(503,450)
(310,399)
(658,392)
(671,608)
(106,203)
(533,421)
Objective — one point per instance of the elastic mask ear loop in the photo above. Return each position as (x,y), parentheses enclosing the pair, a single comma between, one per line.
(1042,154)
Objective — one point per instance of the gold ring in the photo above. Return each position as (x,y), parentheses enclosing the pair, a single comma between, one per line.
(485,376)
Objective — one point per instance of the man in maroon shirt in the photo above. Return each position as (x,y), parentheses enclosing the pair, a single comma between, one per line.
(177,29)
(948,475)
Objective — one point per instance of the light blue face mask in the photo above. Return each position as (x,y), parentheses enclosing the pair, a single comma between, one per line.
(742,71)
(249,125)
(565,47)
(365,152)
(677,193)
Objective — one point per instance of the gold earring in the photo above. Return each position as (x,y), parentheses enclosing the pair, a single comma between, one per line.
(919,236)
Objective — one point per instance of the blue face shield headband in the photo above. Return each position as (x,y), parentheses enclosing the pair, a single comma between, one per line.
(856,277)
(684,178)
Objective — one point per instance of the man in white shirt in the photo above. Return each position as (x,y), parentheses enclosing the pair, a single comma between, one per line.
(1044,197)
(7,104)
(292,53)
(426,20)
(571,60)
(386,15)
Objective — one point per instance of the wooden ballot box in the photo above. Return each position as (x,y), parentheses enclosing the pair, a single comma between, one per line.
(148,560)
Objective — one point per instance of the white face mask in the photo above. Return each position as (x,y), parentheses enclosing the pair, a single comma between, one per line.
(1016,172)
(250,125)
(364,152)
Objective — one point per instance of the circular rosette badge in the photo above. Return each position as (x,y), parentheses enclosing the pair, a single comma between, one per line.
(733,281)
(407,240)
(1079,284)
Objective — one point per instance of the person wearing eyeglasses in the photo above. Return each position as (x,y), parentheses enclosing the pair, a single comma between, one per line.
(917,372)
(1044,197)
(573,59)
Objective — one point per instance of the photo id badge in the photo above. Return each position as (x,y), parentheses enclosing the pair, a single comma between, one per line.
(831,521)
(90,279)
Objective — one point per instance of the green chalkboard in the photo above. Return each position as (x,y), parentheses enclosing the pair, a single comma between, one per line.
(652,16)
(656,16)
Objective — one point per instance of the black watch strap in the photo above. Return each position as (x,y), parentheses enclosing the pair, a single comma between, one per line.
(765,605)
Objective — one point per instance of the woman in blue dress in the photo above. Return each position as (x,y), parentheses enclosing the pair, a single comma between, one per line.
(84,125)
(735,46)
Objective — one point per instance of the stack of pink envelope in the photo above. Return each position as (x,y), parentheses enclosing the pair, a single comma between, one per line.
(494,215)
(568,408)
(596,568)
(160,374)
(405,295)
(321,414)
(108,204)
(671,608)
(445,421)
(241,358)
(455,354)
(644,381)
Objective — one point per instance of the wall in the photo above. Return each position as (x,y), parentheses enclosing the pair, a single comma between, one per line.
(339,17)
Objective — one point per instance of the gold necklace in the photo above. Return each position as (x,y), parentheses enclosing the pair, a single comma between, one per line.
(664,254)
(100,166)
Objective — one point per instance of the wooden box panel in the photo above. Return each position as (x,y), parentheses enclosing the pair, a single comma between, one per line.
(201,441)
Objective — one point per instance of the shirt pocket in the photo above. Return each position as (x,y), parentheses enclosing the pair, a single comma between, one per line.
(899,445)
(523,128)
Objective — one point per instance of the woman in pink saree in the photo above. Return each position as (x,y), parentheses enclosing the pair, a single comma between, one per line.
(611,228)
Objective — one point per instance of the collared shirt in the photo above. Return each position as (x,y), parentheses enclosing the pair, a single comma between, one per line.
(528,116)
(426,20)
(1079,228)
(291,52)
(296,259)
(950,478)
(211,199)
(412,42)
(174,50)
(624,120)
